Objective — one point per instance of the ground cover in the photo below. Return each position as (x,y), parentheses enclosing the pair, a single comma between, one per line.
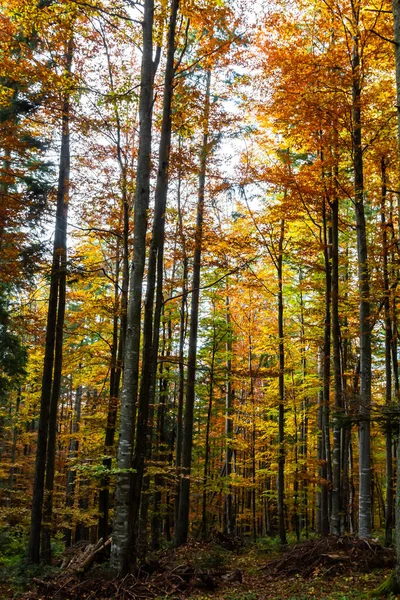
(222,569)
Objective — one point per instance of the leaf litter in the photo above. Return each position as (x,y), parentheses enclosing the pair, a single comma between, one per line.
(176,574)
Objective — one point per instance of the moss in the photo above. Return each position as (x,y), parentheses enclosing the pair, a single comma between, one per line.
(388,587)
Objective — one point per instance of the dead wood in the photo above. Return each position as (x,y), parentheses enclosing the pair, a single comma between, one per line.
(77,582)
(330,556)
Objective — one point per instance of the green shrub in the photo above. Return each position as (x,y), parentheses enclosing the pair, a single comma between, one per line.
(213,558)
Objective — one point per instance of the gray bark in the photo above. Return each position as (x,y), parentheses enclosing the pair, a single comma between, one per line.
(182,525)
(364,440)
(54,327)
(119,320)
(119,549)
(152,314)
(182,337)
(388,362)
(336,520)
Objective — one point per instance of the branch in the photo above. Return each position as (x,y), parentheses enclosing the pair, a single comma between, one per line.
(196,62)
(178,63)
(383,37)
(205,287)
(107,12)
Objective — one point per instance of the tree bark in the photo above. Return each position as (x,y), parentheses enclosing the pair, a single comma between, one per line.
(152,315)
(207,438)
(281,417)
(229,400)
(182,525)
(73,455)
(336,520)
(327,229)
(119,321)
(119,549)
(364,514)
(54,330)
(388,362)
(182,337)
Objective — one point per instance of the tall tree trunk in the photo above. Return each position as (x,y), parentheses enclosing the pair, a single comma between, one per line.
(326,366)
(388,362)
(396,15)
(154,274)
(55,395)
(322,499)
(182,336)
(229,399)
(281,417)
(182,525)
(304,422)
(364,514)
(161,454)
(347,481)
(118,345)
(54,332)
(336,522)
(296,515)
(396,37)
(119,550)
(252,490)
(207,438)
(73,455)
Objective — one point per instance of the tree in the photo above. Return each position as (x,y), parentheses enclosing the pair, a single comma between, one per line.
(52,367)
(182,525)
(121,536)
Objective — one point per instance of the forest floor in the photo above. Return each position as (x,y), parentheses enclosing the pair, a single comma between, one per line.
(331,568)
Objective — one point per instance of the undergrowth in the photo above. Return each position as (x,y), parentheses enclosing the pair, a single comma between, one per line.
(14,569)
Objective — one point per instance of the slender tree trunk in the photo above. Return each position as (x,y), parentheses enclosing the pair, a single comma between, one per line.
(73,455)
(161,454)
(322,500)
(388,364)
(55,395)
(296,515)
(336,522)
(54,330)
(119,550)
(182,525)
(304,422)
(182,336)
(396,38)
(326,366)
(154,274)
(396,15)
(117,354)
(281,422)
(229,399)
(14,444)
(104,493)
(207,440)
(252,490)
(346,427)
(364,515)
